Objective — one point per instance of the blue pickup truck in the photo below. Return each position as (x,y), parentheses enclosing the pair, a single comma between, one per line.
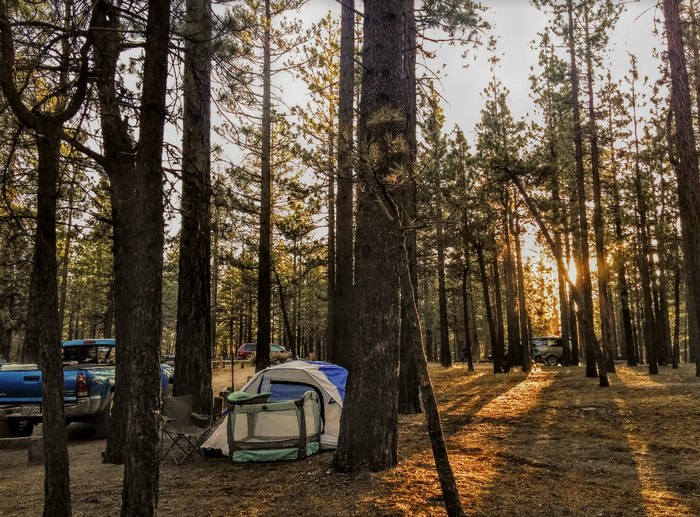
(88,376)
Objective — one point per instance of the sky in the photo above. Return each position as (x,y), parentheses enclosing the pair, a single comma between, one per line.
(515,24)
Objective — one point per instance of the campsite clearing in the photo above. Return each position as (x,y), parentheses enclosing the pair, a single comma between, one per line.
(552,443)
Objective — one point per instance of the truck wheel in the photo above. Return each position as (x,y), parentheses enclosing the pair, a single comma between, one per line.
(102,421)
(20,428)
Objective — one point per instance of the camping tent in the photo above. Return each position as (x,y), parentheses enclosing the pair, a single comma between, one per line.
(289,381)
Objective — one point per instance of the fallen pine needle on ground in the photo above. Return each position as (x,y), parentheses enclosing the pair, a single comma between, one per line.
(548,443)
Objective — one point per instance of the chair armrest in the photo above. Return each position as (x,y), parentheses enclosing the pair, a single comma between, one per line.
(166,418)
(202,420)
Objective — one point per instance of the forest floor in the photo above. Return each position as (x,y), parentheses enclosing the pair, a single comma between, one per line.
(519,446)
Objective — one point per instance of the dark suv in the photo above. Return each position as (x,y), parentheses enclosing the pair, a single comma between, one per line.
(548,350)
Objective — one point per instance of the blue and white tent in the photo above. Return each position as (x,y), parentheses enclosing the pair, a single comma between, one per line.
(289,381)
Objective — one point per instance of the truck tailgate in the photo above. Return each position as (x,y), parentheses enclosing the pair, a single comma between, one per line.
(23,386)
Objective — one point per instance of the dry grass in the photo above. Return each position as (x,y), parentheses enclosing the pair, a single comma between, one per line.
(519,446)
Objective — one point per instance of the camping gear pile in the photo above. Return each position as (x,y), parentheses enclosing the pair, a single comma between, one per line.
(286,411)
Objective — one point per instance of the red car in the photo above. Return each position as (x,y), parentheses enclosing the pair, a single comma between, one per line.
(278,354)
(245,351)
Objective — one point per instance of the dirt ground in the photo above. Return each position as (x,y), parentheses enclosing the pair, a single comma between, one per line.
(519,446)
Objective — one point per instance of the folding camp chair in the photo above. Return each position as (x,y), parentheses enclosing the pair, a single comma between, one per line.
(180,428)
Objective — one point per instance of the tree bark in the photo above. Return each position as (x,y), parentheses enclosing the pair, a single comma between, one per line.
(409,391)
(445,355)
(622,285)
(512,326)
(119,166)
(330,262)
(524,331)
(606,315)
(43,333)
(142,460)
(371,403)
(560,218)
(342,322)
(500,338)
(193,341)
(644,257)
(262,355)
(465,312)
(495,352)
(677,318)
(66,259)
(450,492)
(43,308)
(687,163)
(584,271)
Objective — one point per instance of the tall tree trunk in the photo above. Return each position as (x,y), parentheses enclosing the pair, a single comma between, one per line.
(622,287)
(108,318)
(43,327)
(142,461)
(409,392)
(524,331)
(560,217)
(496,352)
(295,304)
(500,338)
(262,356)
(66,259)
(214,288)
(664,324)
(43,333)
(330,262)
(288,329)
(465,309)
(677,317)
(372,393)
(450,492)
(574,328)
(687,164)
(445,355)
(117,144)
(468,344)
(605,307)
(342,322)
(644,255)
(695,49)
(193,340)
(584,271)
(514,355)
(472,325)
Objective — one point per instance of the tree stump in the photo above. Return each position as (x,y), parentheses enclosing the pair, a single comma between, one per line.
(588,411)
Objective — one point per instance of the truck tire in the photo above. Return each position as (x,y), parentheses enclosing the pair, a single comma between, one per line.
(20,428)
(101,421)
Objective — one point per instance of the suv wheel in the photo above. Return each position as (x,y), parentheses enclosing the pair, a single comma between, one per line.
(552,360)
